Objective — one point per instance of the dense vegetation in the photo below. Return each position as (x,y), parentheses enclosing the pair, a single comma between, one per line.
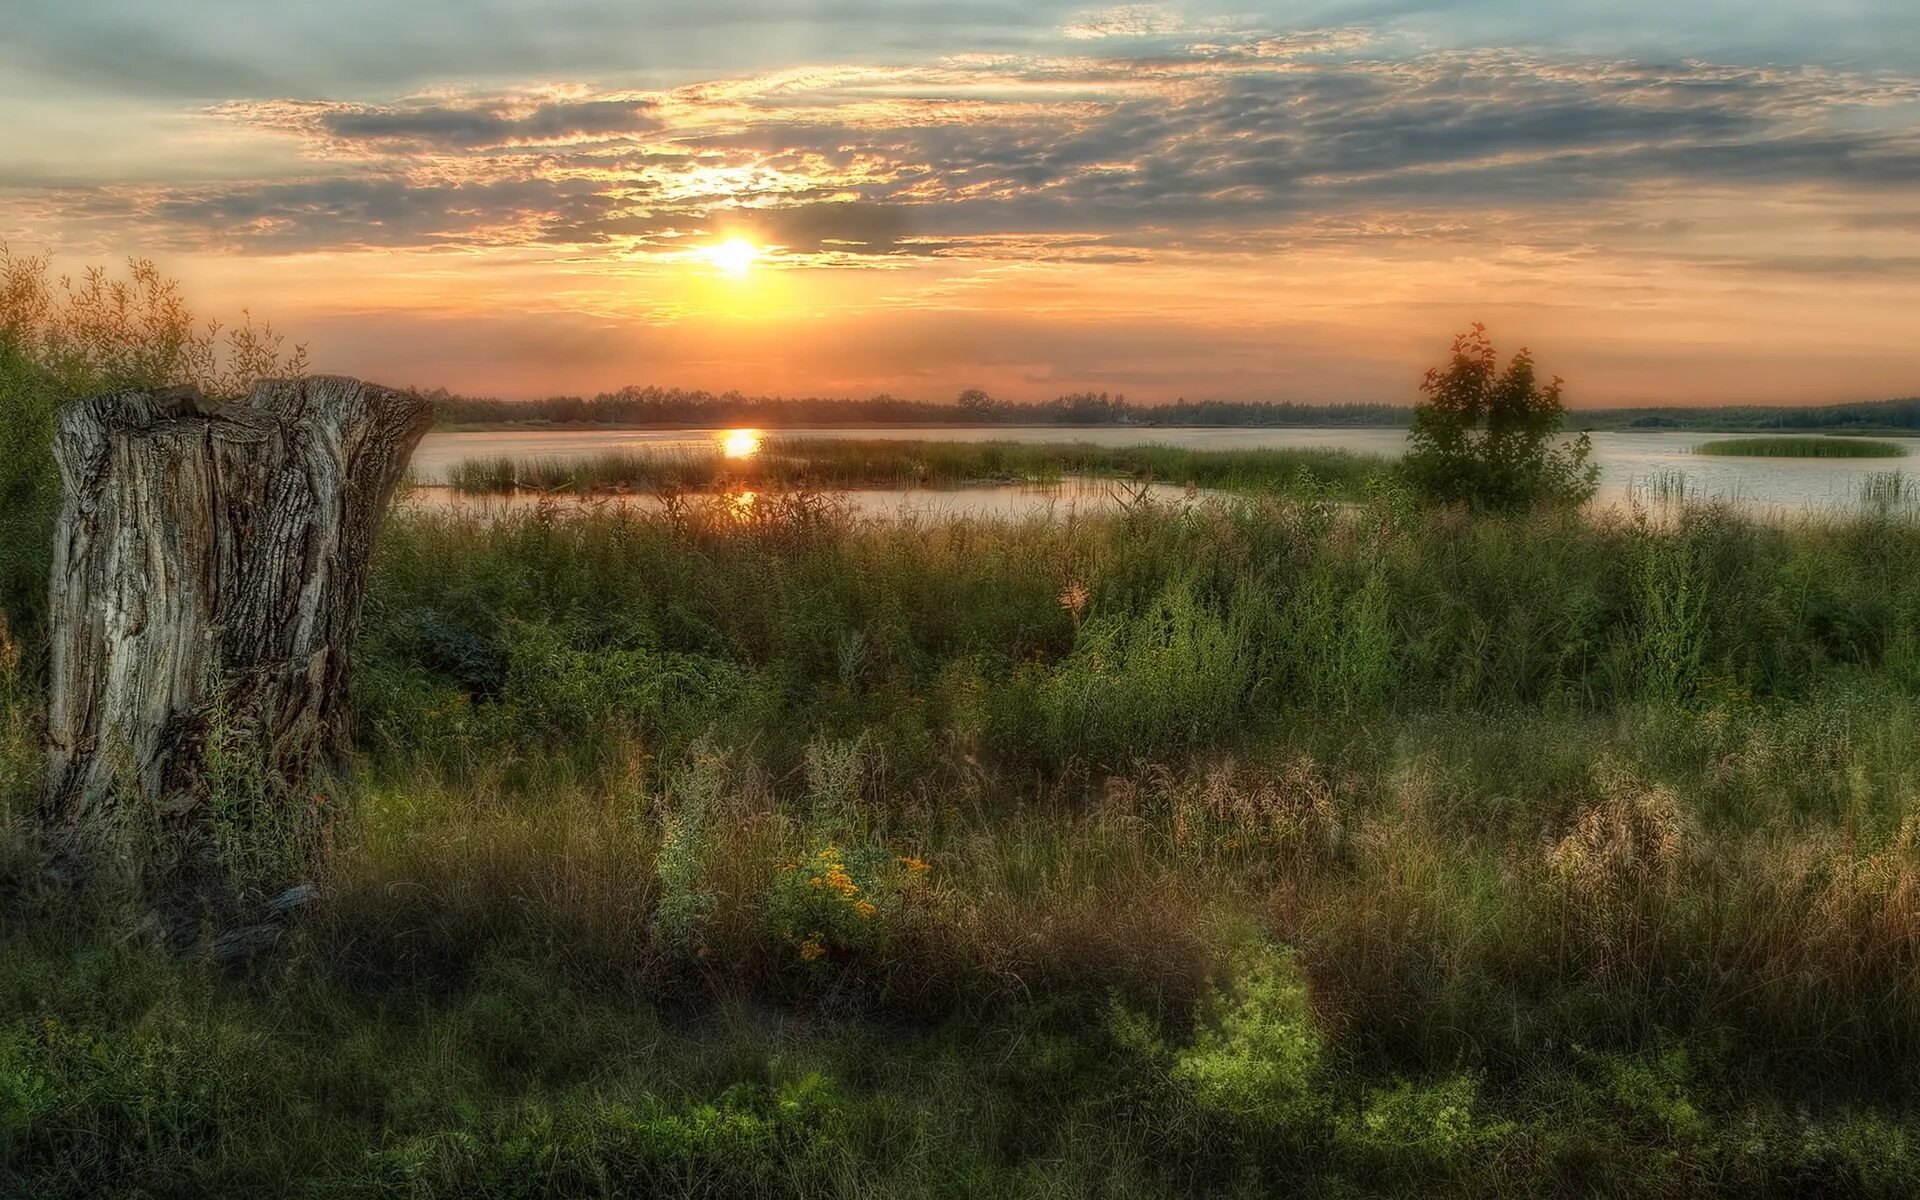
(62,338)
(677,407)
(1258,847)
(1877,416)
(680,408)
(1801,447)
(800,462)
(1489,436)
(1221,851)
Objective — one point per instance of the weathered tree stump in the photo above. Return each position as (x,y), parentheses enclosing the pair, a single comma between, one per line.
(209,567)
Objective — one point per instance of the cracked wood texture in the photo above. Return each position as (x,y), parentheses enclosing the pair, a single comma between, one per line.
(209,564)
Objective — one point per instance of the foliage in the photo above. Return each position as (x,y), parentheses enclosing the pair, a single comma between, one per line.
(680,408)
(61,339)
(685,906)
(1487,437)
(1406,853)
(1256,1055)
(1435,1125)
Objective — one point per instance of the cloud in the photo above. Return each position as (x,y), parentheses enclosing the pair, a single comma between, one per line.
(1127,21)
(1092,158)
(476,126)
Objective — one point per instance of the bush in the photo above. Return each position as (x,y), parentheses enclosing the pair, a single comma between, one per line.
(1256,1053)
(60,340)
(1486,437)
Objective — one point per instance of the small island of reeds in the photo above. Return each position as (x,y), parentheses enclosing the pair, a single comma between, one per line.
(1802,446)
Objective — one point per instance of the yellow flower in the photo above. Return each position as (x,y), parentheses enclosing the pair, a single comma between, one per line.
(913,864)
(812,948)
(866,910)
(838,879)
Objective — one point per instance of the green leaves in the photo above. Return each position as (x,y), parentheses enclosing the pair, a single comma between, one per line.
(1488,438)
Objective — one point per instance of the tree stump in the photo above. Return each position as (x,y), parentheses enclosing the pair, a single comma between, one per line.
(209,567)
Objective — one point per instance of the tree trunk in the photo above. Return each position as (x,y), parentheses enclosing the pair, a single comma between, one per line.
(209,566)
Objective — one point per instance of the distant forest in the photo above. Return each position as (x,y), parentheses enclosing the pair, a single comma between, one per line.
(676,407)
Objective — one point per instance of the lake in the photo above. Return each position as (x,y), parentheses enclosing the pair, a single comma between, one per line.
(1627,460)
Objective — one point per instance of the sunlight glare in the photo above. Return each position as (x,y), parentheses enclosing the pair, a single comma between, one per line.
(735,256)
(740,443)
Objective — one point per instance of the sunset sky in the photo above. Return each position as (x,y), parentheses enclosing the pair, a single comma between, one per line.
(1708,201)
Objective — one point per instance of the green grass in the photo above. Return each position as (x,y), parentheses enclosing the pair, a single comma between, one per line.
(1802,447)
(797,462)
(1257,846)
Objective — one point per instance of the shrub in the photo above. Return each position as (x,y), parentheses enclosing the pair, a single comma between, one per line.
(61,339)
(1486,437)
(1255,1060)
(1415,1124)
(686,902)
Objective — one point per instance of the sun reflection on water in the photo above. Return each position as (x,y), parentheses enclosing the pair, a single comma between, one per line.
(740,443)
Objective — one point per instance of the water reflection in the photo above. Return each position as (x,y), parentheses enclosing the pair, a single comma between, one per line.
(1629,461)
(1015,502)
(740,443)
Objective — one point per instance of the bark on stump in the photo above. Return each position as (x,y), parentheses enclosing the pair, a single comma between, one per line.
(211,560)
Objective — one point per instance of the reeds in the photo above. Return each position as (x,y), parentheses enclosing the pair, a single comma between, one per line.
(1802,447)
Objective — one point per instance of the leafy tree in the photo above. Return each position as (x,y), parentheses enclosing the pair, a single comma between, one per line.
(61,339)
(1490,437)
(975,402)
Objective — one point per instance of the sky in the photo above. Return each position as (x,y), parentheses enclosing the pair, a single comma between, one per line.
(1692,202)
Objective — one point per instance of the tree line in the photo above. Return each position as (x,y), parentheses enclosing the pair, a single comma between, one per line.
(698,407)
(663,406)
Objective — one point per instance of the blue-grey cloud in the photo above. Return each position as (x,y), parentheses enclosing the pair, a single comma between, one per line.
(1057,155)
(457,127)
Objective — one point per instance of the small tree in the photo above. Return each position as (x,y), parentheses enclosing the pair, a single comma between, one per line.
(1490,438)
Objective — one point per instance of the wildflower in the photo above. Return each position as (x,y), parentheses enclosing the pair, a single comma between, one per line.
(812,948)
(866,909)
(914,865)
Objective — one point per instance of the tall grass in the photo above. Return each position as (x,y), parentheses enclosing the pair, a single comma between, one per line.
(1212,850)
(1802,447)
(793,462)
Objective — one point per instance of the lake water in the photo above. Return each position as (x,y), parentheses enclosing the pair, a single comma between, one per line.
(1627,460)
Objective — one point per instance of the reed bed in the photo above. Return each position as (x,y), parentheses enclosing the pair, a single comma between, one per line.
(1802,447)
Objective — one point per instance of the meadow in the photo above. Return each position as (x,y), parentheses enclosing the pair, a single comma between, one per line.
(1319,839)
(790,462)
(1272,845)
(1802,447)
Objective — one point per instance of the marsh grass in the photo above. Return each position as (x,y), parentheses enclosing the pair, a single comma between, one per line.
(799,462)
(1885,491)
(1148,853)
(1802,447)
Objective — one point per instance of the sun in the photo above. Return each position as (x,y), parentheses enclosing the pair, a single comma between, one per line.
(735,256)
(740,443)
